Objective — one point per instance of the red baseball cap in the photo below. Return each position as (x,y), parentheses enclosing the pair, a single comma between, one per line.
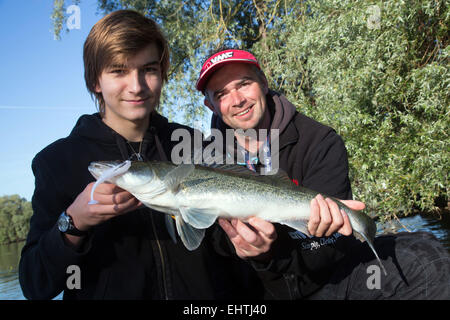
(220,59)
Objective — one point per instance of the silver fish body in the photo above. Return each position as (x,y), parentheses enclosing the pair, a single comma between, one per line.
(197,195)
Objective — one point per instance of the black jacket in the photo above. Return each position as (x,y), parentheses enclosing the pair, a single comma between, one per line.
(130,256)
(314,156)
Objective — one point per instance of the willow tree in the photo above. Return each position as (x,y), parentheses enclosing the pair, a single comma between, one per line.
(377,72)
(194,28)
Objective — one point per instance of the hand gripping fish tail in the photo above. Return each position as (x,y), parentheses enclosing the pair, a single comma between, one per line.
(112,172)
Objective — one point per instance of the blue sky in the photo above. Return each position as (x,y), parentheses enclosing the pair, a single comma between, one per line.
(42,90)
(42,85)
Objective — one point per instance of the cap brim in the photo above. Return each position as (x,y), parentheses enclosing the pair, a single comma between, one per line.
(204,77)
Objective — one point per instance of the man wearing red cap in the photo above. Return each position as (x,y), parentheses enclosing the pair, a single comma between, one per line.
(314,156)
(235,89)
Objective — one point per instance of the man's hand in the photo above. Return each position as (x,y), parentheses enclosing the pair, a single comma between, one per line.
(252,240)
(326,218)
(112,201)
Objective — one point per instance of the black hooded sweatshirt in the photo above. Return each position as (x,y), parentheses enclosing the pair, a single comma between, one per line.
(313,156)
(130,256)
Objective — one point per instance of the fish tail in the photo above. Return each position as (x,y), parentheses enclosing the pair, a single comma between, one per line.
(372,247)
(367,234)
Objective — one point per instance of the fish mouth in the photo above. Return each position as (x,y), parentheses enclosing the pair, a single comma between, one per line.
(97,168)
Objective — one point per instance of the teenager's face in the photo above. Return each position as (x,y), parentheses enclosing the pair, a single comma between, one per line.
(131,91)
(238,96)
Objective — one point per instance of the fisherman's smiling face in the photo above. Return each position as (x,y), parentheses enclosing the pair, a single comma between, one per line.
(131,90)
(238,95)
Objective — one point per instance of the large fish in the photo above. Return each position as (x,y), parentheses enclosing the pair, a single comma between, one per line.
(197,195)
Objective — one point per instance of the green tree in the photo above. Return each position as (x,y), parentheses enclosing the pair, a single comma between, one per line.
(377,72)
(15,214)
(193,28)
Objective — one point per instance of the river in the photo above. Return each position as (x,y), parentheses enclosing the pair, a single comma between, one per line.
(10,254)
(9,282)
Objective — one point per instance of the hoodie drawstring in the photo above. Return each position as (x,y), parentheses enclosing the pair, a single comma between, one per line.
(122,147)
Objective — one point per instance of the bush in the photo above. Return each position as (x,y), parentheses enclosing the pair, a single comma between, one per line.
(15,214)
(379,74)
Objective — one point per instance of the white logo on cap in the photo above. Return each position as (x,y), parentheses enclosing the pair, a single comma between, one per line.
(221,57)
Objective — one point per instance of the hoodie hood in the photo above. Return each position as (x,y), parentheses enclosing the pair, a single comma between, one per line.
(283,111)
(93,128)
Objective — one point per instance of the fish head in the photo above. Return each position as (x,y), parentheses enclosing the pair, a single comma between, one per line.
(136,175)
(98,168)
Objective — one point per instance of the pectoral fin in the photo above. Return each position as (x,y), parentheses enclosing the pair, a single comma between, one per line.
(147,195)
(299,225)
(199,218)
(173,179)
(190,236)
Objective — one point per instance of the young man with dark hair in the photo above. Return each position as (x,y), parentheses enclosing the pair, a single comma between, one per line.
(314,156)
(121,249)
